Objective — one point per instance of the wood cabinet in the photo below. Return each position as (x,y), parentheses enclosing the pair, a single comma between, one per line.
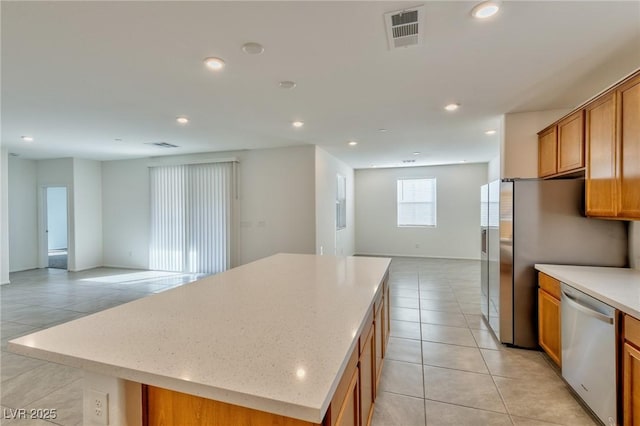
(628,125)
(167,407)
(612,124)
(549,317)
(367,371)
(349,414)
(379,326)
(601,156)
(561,147)
(547,152)
(631,371)
(571,142)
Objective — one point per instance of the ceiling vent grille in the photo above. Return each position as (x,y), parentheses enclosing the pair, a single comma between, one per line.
(162,144)
(405,27)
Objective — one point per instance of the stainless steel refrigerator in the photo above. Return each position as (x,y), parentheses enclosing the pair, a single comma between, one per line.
(538,221)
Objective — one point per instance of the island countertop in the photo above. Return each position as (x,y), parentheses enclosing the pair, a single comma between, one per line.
(273,335)
(617,287)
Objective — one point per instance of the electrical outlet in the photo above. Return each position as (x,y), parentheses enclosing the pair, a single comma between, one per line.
(99,407)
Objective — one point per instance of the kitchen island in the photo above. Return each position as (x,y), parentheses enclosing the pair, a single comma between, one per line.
(289,339)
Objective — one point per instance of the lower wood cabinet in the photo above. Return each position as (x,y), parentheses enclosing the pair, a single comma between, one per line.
(631,384)
(549,317)
(349,414)
(630,374)
(367,371)
(378,325)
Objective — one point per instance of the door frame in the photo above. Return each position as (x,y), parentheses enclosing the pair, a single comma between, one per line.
(43,238)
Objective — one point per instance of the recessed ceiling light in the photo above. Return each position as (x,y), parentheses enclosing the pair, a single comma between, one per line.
(27,138)
(287,84)
(382,130)
(485,9)
(297,124)
(452,107)
(252,48)
(416,153)
(353,143)
(215,64)
(182,120)
(490,132)
(462,161)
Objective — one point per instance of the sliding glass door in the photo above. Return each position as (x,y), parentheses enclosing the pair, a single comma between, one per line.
(191,217)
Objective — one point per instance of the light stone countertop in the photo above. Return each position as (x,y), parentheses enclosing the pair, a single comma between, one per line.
(617,287)
(273,335)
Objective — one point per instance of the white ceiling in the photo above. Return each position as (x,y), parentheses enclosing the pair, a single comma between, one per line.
(78,75)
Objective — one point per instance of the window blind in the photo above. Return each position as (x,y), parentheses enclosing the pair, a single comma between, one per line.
(191,217)
(417,202)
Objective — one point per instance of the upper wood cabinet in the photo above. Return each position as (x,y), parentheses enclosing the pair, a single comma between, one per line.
(561,146)
(601,156)
(571,142)
(547,152)
(628,104)
(612,124)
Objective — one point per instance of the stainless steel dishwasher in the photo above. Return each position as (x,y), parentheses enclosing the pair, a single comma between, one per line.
(589,351)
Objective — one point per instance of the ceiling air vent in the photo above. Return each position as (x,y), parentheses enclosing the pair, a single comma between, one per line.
(408,161)
(162,144)
(405,27)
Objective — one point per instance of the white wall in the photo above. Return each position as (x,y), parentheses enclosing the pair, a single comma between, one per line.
(23,218)
(277,202)
(457,234)
(634,244)
(125,213)
(56,217)
(87,208)
(4,216)
(519,145)
(275,206)
(58,172)
(493,169)
(340,242)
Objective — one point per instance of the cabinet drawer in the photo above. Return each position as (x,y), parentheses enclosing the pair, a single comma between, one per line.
(632,330)
(549,284)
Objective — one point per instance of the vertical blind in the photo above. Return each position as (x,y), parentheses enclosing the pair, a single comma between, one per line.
(417,202)
(191,217)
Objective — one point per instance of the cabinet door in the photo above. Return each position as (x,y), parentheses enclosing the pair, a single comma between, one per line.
(631,385)
(547,152)
(549,325)
(367,379)
(571,142)
(378,326)
(349,412)
(387,306)
(600,133)
(629,144)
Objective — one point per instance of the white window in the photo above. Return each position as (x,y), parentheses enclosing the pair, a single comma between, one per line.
(417,202)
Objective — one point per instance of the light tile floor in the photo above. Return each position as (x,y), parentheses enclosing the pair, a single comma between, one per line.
(42,298)
(442,367)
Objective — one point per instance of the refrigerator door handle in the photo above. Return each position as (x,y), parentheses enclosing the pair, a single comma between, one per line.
(484,241)
(586,310)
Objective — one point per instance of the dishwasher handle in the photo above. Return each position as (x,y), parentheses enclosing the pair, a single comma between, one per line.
(585,309)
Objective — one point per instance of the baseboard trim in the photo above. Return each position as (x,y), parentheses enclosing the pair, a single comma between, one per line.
(135,268)
(415,256)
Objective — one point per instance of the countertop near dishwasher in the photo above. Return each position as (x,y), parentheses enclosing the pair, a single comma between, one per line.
(617,287)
